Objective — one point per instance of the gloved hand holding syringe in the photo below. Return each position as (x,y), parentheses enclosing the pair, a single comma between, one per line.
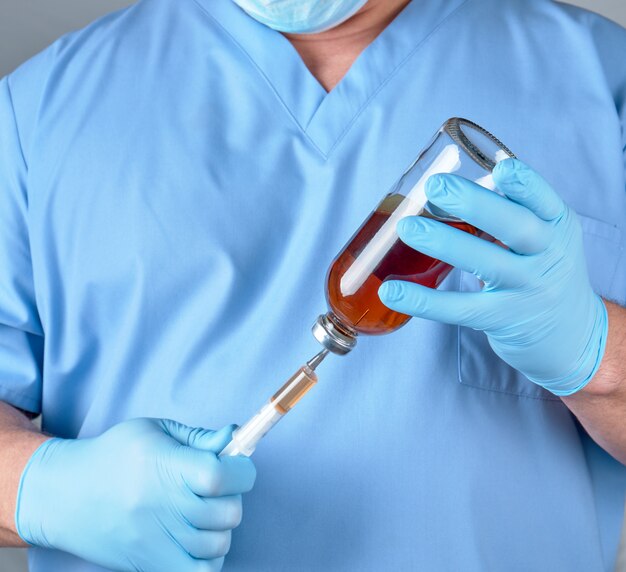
(246,437)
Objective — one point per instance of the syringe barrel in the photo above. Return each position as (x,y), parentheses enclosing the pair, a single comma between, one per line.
(246,437)
(294,390)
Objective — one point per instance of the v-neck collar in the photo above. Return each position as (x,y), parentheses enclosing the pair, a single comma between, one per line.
(324,117)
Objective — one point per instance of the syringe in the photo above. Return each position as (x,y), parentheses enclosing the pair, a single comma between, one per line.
(246,437)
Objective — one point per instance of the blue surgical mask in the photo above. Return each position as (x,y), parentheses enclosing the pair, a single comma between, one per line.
(301,16)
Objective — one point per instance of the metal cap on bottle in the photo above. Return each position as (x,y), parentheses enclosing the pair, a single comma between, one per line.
(476,142)
(333,335)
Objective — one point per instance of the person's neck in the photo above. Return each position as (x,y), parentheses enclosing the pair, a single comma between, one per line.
(329,55)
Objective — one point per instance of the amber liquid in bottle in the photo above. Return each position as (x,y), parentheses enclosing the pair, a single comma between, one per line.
(363,311)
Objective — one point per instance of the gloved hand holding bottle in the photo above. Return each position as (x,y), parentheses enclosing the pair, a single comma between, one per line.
(147,495)
(537,306)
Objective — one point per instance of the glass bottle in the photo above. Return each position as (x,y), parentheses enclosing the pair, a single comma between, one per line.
(375,253)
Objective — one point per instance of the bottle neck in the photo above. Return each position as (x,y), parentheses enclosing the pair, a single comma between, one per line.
(334,334)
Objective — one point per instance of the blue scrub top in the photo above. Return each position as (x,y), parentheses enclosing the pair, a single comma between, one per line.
(173,185)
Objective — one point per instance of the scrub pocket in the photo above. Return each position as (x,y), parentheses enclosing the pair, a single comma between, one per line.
(480,367)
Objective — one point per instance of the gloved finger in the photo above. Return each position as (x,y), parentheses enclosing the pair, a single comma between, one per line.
(214,565)
(174,557)
(191,564)
(205,544)
(491,263)
(511,223)
(198,437)
(471,309)
(209,476)
(219,513)
(525,186)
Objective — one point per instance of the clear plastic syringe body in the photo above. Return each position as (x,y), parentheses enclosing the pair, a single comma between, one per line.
(246,437)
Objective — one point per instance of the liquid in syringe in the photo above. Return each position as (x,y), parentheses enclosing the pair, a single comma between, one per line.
(246,437)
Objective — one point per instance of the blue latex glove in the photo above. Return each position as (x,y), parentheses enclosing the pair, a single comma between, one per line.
(147,495)
(537,306)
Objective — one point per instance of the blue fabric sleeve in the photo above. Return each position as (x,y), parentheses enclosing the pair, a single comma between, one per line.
(21,332)
(609,39)
(611,44)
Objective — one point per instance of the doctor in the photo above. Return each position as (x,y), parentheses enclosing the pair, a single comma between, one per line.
(175,179)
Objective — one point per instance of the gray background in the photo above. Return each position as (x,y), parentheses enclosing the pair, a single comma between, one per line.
(27,26)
